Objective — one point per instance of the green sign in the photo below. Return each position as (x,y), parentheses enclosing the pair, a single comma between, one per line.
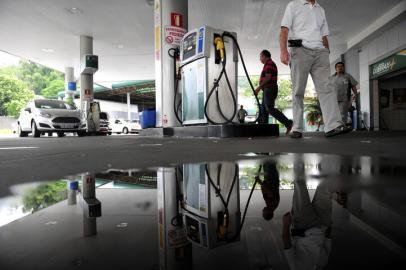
(92,61)
(392,63)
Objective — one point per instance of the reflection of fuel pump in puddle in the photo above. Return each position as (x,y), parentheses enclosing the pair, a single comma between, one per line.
(208,69)
(175,252)
(211,204)
(205,211)
(90,204)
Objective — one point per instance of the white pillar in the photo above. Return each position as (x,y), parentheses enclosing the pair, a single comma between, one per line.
(168,14)
(129,106)
(170,245)
(88,192)
(69,79)
(86,80)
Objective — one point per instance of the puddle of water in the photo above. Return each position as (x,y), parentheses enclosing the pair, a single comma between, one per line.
(268,211)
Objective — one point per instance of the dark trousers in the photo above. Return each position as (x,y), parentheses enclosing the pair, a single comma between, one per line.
(268,103)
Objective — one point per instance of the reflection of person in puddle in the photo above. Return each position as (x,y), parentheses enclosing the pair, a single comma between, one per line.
(270,189)
(307,228)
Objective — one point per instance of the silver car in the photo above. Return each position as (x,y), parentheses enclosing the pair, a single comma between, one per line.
(48,116)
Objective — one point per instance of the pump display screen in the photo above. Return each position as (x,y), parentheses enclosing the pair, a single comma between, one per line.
(189,46)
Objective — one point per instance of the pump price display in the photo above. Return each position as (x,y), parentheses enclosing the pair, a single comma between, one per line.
(189,46)
(173,35)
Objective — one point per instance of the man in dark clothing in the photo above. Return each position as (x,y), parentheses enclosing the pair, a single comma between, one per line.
(268,84)
(270,189)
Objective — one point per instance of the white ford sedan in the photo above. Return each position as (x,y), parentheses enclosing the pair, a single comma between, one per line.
(49,116)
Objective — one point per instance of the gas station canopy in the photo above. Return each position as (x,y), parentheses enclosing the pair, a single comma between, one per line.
(47,31)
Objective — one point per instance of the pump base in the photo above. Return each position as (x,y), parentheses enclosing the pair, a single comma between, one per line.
(217,131)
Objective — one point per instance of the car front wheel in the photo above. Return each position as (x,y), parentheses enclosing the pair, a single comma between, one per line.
(35,132)
(20,132)
(125,130)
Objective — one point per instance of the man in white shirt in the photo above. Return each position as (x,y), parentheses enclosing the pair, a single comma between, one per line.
(306,230)
(304,22)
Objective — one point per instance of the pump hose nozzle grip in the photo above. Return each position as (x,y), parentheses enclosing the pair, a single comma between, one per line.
(218,41)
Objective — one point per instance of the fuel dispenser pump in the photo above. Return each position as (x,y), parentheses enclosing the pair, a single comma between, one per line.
(208,71)
(211,204)
(93,117)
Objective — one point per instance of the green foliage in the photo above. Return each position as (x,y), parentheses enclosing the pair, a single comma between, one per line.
(314,115)
(53,88)
(284,91)
(247,176)
(44,196)
(284,94)
(14,95)
(19,84)
(37,77)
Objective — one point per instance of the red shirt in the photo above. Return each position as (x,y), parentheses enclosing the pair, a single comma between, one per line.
(269,68)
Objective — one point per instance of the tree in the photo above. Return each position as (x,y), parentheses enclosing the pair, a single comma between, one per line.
(53,88)
(314,115)
(284,91)
(284,94)
(44,195)
(14,95)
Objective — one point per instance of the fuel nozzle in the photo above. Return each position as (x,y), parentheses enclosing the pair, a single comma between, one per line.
(223,227)
(219,43)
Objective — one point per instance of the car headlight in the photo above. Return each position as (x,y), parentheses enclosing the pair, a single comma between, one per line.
(46,115)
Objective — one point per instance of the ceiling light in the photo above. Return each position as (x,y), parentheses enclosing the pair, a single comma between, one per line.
(118,45)
(74,10)
(47,50)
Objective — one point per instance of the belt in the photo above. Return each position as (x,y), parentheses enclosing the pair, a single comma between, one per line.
(295,43)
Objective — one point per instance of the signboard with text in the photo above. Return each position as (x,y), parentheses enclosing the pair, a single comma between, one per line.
(390,64)
(173,35)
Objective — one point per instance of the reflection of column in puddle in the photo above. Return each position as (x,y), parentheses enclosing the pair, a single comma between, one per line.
(91,205)
(72,186)
(175,252)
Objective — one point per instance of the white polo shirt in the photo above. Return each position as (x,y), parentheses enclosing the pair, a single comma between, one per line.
(306,22)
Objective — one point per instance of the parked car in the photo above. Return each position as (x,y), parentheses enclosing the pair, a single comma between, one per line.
(49,116)
(125,126)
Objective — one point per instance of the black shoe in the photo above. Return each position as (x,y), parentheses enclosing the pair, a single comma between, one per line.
(289,127)
(338,131)
(296,135)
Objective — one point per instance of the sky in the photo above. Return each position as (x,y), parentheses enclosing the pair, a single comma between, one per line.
(8,59)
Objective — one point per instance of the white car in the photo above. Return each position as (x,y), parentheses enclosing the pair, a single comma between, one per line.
(48,116)
(125,126)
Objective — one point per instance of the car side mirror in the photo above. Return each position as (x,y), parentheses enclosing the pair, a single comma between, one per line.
(28,110)
(117,122)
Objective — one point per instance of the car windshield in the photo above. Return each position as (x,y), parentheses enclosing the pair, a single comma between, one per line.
(52,104)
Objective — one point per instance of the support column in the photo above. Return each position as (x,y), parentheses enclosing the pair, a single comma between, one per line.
(89,195)
(72,186)
(175,251)
(86,80)
(70,85)
(171,20)
(129,106)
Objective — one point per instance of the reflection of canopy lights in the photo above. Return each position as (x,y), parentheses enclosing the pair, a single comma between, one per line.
(74,10)
(47,50)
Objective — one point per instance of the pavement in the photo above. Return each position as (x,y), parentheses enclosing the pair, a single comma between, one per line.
(49,158)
